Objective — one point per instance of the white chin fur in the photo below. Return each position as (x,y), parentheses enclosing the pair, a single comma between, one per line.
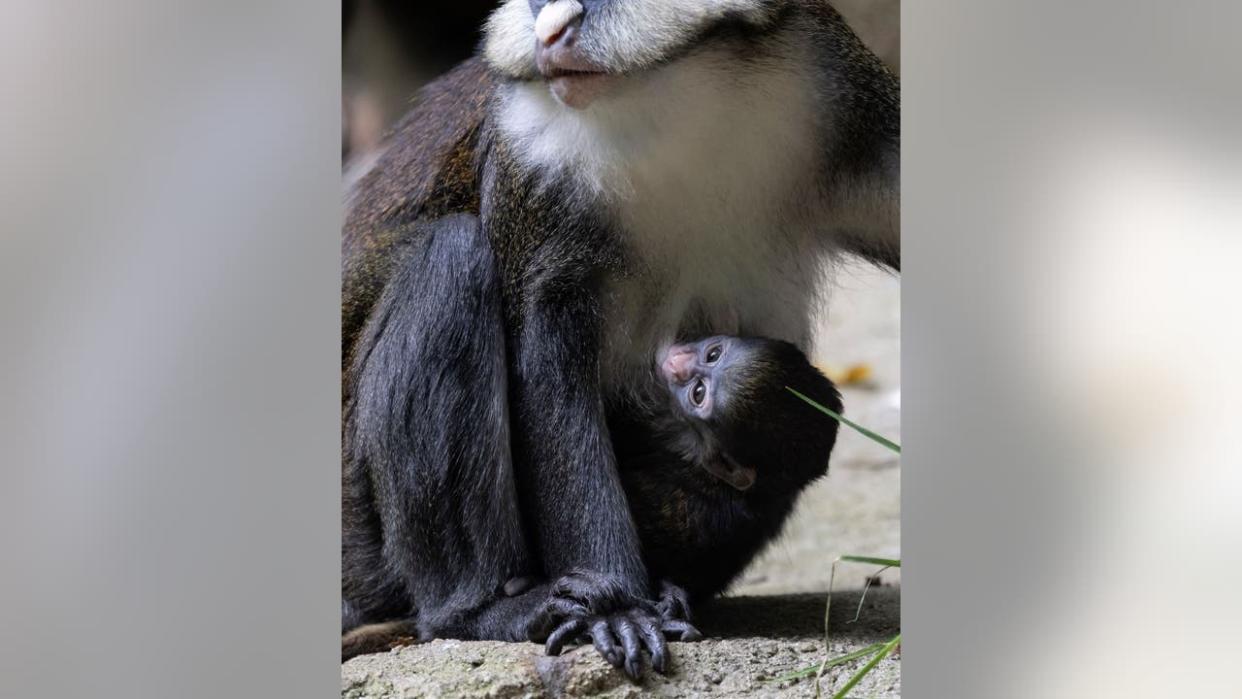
(692,117)
(706,168)
(510,43)
(580,92)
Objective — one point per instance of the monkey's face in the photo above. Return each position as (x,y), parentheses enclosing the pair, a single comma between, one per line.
(585,48)
(724,381)
(706,381)
(698,384)
(731,391)
(695,372)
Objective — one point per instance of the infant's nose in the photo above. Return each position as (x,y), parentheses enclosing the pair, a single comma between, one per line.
(678,364)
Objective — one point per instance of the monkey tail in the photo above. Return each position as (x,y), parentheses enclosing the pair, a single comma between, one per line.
(378,638)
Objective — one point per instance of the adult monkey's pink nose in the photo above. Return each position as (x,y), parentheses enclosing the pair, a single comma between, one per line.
(554,19)
(678,364)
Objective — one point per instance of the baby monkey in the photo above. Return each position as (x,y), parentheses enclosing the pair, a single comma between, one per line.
(713,479)
(712,471)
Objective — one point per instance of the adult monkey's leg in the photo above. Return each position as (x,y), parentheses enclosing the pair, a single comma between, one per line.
(585,536)
(427,434)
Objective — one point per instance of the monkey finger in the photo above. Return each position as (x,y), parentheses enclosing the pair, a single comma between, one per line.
(577,584)
(674,602)
(601,635)
(628,634)
(593,590)
(681,630)
(649,628)
(672,608)
(559,607)
(564,634)
(554,614)
(664,609)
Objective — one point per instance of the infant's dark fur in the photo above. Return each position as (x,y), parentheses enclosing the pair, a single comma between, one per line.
(697,530)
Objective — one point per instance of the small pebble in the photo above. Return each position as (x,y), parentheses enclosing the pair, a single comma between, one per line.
(715,678)
(475,660)
(808,647)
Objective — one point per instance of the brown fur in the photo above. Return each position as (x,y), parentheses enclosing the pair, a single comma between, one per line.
(430,170)
(377,638)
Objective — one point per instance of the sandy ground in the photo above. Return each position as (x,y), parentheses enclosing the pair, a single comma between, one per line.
(857,508)
(751,642)
(771,622)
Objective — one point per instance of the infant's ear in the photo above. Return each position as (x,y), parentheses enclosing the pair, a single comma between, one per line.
(731,472)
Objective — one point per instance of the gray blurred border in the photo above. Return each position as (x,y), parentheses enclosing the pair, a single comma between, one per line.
(1010,468)
(169,244)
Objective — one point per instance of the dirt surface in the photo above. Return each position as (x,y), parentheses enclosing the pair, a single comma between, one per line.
(857,508)
(771,623)
(751,642)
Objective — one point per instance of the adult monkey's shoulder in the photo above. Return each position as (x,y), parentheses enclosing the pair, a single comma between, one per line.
(427,163)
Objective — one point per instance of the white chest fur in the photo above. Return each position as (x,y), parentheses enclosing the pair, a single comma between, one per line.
(710,175)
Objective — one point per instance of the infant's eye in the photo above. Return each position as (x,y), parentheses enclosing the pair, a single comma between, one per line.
(698,393)
(713,354)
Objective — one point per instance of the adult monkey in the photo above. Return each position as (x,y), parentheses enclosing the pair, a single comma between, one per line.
(642,171)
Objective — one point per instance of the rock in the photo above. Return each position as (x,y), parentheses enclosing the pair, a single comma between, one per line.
(444,669)
(750,642)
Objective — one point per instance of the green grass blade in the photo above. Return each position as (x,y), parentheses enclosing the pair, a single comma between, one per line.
(862,599)
(889,562)
(841,418)
(862,672)
(848,657)
(832,576)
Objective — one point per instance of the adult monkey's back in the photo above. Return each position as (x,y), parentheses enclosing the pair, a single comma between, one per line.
(631,172)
